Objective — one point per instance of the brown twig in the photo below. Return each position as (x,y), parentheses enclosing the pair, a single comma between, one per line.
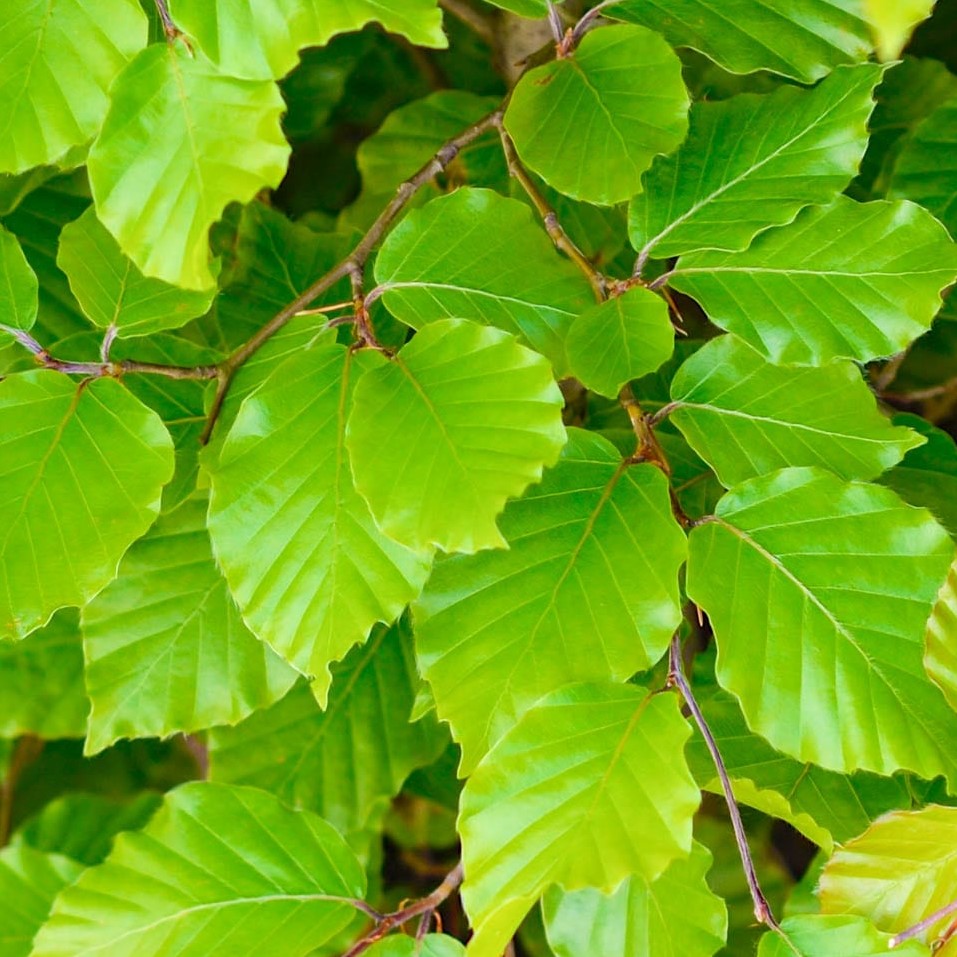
(424,908)
(169,28)
(923,925)
(556,233)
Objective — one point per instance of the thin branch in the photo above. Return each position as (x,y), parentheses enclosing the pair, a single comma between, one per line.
(169,28)
(556,233)
(555,22)
(424,908)
(475,21)
(925,924)
(676,677)
(587,22)
(356,260)
(919,395)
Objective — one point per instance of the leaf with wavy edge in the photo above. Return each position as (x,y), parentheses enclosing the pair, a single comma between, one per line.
(29,882)
(166,650)
(467,418)
(940,658)
(261,39)
(19,300)
(580,594)
(307,565)
(113,292)
(902,869)
(41,681)
(803,39)
(83,466)
(590,123)
(620,340)
(477,254)
(345,761)
(219,871)
(156,197)
(815,935)
(746,417)
(677,913)
(926,168)
(589,787)
(848,280)
(53,87)
(402,945)
(750,162)
(893,21)
(813,560)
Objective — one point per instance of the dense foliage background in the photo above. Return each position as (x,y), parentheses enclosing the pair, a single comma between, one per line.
(478,472)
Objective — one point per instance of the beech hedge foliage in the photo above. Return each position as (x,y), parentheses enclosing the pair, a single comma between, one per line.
(477,477)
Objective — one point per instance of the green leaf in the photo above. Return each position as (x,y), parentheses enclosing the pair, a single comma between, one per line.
(591,123)
(41,682)
(849,280)
(82,826)
(478,255)
(747,417)
(821,804)
(29,882)
(940,658)
(927,475)
(497,631)
(533,9)
(236,147)
(902,869)
(467,418)
(309,568)
(675,914)
(218,871)
(83,466)
(588,788)
(18,285)
(54,88)
(113,292)
(342,762)
(166,650)
(815,564)
(432,945)
(893,21)
(803,39)
(261,39)
(926,168)
(619,340)
(754,161)
(811,935)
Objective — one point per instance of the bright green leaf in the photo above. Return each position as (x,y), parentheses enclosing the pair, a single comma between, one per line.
(591,123)
(750,162)
(533,9)
(588,788)
(811,935)
(218,871)
(893,21)
(82,465)
(307,565)
(166,650)
(159,198)
(803,39)
(342,762)
(619,340)
(851,280)
(675,914)
(18,285)
(814,562)
(747,417)
(926,168)
(940,658)
(402,945)
(927,475)
(261,39)
(481,256)
(902,869)
(466,418)
(113,292)
(58,59)
(41,682)
(29,882)
(587,590)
